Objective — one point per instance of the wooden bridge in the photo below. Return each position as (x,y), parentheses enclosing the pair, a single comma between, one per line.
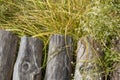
(24,61)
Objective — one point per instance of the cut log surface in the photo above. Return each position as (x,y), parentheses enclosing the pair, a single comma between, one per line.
(8,50)
(86,69)
(59,58)
(28,64)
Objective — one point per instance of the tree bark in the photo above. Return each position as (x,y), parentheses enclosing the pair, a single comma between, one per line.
(8,50)
(88,51)
(59,58)
(28,64)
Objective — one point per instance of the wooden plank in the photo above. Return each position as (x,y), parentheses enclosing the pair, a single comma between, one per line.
(8,50)
(87,52)
(59,58)
(28,64)
(116,74)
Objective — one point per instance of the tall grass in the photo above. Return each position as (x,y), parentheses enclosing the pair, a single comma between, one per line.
(76,18)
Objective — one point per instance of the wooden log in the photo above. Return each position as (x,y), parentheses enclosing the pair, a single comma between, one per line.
(28,64)
(88,51)
(116,73)
(59,58)
(8,50)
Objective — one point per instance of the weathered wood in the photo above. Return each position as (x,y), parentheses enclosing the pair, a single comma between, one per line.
(116,74)
(8,50)
(59,58)
(87,52)
(28,64)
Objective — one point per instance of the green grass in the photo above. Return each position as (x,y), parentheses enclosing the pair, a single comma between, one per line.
(76,18)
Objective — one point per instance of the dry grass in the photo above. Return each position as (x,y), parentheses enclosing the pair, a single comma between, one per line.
(42,18)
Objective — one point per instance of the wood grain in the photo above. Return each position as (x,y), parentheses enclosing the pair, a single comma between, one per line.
(87,52)
(28,64)
(59,58)
(8,50)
